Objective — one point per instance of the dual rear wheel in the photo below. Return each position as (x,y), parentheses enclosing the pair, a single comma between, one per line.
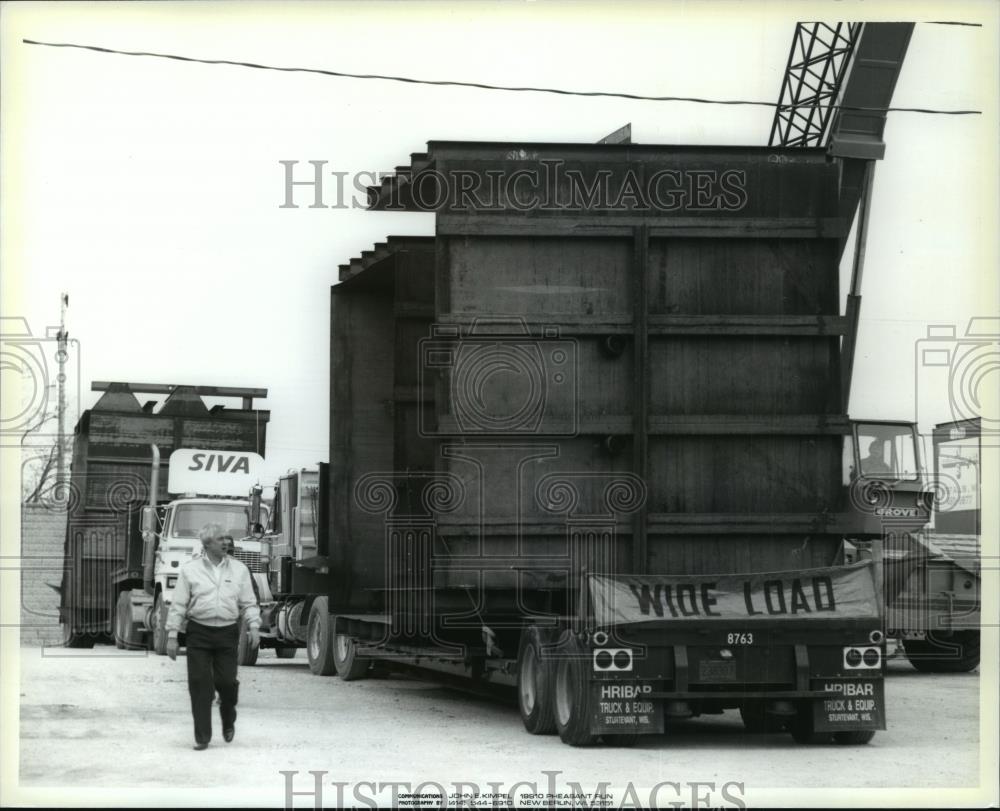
(331,653)
(957,653)
(127,635)
(553,689)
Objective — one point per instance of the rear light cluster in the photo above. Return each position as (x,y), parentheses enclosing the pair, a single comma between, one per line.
(612,659)
(862,658)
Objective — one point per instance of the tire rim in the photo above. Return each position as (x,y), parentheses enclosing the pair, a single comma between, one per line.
(564,694)
(314,640)
(120,622)
(527,683)
(159,628)
(343,644)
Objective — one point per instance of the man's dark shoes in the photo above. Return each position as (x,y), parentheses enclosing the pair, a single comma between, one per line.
(199,746)
(228,733)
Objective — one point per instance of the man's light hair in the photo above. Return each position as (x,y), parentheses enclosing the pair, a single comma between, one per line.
(209,531)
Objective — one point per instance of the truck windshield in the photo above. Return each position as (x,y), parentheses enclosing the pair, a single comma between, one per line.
(190,518)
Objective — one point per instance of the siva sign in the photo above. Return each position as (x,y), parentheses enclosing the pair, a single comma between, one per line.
(214,473)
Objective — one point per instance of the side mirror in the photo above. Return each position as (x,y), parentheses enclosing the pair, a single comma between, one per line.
(255,495)
(257,530)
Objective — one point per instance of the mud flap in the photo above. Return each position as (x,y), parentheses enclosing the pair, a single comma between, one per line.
(623,708)
(858,704)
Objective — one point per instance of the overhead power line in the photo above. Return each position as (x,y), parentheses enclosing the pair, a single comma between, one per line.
(480,85)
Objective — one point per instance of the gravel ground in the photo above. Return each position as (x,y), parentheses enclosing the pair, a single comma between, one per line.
(103,718)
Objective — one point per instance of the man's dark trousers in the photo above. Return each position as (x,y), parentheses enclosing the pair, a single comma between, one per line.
(211,664)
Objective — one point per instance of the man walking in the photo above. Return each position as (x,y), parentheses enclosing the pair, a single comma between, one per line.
(213,591)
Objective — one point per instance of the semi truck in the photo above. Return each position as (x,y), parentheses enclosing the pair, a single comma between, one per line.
(126,534)
(590,440)
(292,591)
(202,485)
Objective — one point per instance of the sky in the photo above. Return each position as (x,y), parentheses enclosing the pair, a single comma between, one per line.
(150,190)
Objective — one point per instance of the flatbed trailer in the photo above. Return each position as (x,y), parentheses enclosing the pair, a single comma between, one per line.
(687,432)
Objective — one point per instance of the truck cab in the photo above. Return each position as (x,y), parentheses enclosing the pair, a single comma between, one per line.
(888,491)
(176,542)
(293,595)
(170,532)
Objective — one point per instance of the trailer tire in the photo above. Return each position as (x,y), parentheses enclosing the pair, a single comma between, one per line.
(79,641)
(856,737)
(571,702)
(535,677)
(160,625)
(126,636)
(756,721)
(803,727)
(246,654)
(958,653)
(285,653)
(319,639)
(350,666)
(120,621)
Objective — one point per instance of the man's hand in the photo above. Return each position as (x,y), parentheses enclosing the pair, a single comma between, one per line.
(172,647)
(254,637)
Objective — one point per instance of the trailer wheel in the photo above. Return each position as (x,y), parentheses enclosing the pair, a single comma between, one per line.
(535,674)
(285,653)
(160,625)
(350,666)
(757,721)
(855,737)
(958,653)
(319,640)
(79,641)
(803,727)
(120,620)
(126,635)
(246,654)
(572,696)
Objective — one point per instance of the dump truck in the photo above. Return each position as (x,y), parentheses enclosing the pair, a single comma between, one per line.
(127,531)
(934,585)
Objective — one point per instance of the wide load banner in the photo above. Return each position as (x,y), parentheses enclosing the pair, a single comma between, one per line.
(840,592)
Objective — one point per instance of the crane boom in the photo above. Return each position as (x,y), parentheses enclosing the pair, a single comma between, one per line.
(831,71)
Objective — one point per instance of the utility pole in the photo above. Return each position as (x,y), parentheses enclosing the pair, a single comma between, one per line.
(62,340)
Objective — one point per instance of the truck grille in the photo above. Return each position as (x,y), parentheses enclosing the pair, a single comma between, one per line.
(251,559)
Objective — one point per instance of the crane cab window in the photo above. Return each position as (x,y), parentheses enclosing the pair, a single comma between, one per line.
(886,451)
